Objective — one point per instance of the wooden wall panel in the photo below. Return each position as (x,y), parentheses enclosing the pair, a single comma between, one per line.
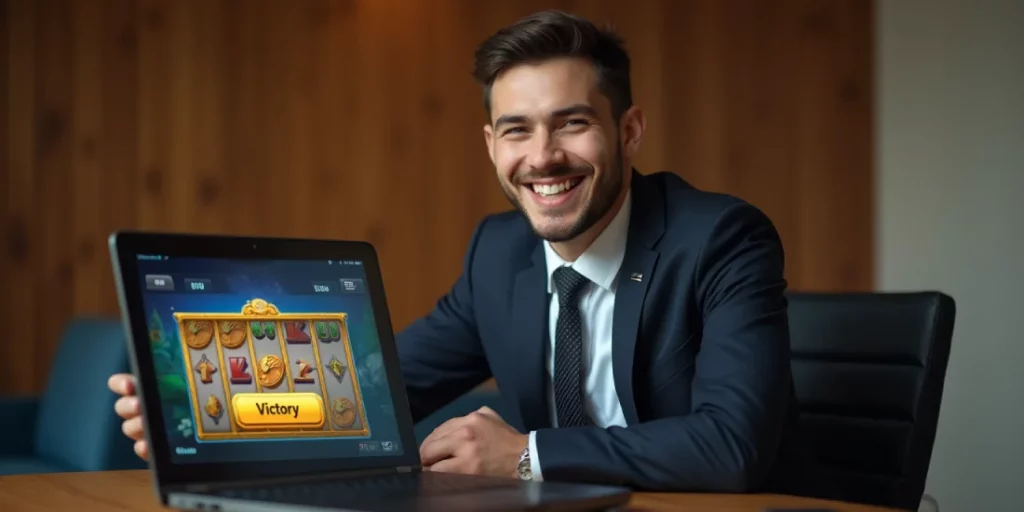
(361,119)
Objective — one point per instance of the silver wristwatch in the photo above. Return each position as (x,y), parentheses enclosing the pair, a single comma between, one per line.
(524,469)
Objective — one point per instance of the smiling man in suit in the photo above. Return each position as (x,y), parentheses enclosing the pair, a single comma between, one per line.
(637,325)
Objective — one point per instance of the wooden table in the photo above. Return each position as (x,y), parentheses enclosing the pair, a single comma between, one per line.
(133,490)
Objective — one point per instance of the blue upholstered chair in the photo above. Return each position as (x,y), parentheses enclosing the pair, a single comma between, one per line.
(72,425)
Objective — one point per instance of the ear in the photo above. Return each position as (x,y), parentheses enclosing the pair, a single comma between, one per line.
(631,131)
(489,140)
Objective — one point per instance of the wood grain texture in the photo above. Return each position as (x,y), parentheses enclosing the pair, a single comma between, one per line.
(133,491)
(361,120)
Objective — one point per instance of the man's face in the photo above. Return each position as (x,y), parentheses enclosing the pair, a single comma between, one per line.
(555,146)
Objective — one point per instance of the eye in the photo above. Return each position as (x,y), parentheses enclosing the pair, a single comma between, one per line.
(576,123)
(514,130)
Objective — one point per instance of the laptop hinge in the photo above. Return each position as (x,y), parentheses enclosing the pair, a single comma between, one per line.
(201,487)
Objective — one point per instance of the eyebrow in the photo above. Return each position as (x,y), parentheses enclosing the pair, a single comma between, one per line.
(562,112)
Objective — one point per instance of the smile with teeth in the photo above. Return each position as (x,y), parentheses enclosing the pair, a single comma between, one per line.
(553,189)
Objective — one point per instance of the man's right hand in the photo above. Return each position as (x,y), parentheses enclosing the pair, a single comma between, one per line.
(128,407)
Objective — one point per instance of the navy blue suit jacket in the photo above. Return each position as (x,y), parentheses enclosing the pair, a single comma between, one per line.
(701,355)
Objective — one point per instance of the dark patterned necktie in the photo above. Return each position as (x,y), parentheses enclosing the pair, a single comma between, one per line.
(569,349)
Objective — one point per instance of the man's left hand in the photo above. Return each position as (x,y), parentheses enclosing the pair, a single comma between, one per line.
(480,443)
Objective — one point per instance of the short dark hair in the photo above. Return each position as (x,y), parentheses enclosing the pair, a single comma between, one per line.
(552,34)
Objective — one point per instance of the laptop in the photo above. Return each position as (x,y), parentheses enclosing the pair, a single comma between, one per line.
(269,380)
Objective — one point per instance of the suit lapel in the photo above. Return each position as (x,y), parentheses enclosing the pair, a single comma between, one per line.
(646,225)
(530,327)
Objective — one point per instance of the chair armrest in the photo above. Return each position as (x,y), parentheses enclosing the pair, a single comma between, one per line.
(18,425)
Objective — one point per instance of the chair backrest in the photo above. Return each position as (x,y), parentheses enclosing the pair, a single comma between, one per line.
(76,428)
(869,370)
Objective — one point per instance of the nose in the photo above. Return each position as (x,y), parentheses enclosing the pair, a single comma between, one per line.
(544,152)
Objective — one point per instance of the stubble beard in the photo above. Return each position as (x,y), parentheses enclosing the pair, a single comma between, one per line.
(605,194)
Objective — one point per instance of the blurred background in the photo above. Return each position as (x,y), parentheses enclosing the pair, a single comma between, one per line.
(884,138)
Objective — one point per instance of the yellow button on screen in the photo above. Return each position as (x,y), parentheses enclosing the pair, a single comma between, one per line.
(278,410)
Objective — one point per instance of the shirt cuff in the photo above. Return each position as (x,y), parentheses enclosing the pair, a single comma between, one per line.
(534,458)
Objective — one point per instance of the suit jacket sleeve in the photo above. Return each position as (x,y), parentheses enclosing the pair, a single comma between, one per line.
(440,354)
(740,389)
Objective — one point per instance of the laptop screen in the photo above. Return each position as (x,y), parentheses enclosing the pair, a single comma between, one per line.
(262,360)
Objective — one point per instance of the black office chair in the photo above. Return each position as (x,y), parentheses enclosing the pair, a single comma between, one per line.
(869,371)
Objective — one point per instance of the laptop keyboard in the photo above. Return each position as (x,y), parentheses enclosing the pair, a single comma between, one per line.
(368,489)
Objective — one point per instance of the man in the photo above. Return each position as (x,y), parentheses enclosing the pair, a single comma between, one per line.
(637,325)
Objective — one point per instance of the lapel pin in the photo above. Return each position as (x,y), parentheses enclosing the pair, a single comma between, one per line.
(636,277)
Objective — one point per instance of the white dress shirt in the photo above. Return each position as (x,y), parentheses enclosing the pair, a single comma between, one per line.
(600,264)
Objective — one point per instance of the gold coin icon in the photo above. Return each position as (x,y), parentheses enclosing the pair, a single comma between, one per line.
(271,371)
(232,334)
(214,409)
(198,333)
(343,412)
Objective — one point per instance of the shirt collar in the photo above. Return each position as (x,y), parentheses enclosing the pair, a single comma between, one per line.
(601,261)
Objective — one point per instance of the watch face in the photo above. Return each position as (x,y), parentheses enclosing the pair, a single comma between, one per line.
(524,469)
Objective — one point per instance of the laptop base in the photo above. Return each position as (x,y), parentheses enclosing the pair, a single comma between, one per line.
(530,496)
